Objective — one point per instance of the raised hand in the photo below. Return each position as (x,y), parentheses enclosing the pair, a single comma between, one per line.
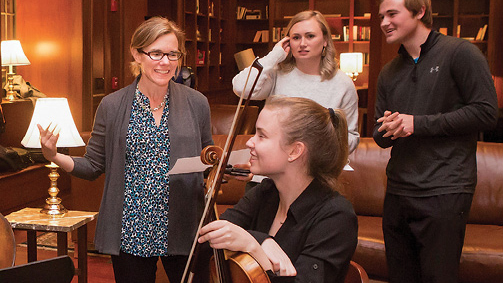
(48,139)
(284,43)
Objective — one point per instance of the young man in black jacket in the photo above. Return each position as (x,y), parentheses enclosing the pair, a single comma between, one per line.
(433,99)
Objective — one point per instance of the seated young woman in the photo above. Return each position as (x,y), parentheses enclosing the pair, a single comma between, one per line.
(295,224)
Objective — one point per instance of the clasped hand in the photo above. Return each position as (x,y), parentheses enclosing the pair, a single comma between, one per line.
(396,125)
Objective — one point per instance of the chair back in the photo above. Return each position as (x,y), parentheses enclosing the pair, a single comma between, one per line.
(356,274)
(186,76)
(222,116)
(7,244)
(53,270)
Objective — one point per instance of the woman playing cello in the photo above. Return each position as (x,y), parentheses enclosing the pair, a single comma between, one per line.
(294,223)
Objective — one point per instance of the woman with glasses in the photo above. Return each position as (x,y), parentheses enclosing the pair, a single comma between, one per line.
(139,133)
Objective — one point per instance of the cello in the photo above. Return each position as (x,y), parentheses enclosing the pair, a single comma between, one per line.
(225,266)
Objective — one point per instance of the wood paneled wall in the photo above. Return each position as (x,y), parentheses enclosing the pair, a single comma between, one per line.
(51,35)
(70,43)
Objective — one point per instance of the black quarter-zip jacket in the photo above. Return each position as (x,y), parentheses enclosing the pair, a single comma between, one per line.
(451,94)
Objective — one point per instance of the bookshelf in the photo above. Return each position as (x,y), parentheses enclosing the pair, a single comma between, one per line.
(350,23)
(205,23)
(253,26)
(463,18)
(214,75)
(217,29)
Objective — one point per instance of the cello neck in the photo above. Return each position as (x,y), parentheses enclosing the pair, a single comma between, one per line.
(219,161)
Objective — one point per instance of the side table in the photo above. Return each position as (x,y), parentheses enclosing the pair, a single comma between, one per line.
(31,220)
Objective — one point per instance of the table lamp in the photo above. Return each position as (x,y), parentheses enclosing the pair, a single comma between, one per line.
(352,64)
(12,55)
(57,112)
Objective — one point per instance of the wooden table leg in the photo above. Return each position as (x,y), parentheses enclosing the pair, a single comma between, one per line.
(31,240)
(62,243)
(82,253)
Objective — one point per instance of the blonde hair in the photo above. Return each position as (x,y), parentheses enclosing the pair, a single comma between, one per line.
(149,31)
(328,63)
(325,135)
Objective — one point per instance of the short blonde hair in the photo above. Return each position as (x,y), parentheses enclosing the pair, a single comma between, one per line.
(149,31)
(328,63)
(323,131)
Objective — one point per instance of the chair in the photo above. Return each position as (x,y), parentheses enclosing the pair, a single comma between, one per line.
(356,274)
(362,115)
(222,116)
(7,244)
(186,76)
(54,270)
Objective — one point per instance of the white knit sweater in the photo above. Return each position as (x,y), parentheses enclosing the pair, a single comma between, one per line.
(338,92)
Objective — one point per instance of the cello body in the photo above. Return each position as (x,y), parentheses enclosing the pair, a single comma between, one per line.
(242,267)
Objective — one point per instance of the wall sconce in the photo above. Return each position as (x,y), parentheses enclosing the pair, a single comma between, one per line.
(12,55)
(57,112)
(352,64)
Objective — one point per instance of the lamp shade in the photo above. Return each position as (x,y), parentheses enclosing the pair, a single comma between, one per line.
(244,58)
(12,54)
(57,112)
(351,62)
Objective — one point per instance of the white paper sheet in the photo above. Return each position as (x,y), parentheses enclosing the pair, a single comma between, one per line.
(194,164)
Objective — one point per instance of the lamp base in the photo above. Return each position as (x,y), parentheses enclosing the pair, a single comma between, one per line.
(54,210)
(353,76)
(11,95)
(53,206)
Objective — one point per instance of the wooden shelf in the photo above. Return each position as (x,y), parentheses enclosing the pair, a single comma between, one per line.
(238,34)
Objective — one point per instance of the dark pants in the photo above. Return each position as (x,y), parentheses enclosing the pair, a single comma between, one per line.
(424,236)
(136,269)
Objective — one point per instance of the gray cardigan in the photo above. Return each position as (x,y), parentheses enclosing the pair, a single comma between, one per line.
(190,131)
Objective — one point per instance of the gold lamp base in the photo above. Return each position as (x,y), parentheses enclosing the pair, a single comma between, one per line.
(11,94)
(353,76)
(53,206)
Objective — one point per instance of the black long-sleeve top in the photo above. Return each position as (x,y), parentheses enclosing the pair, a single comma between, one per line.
(319,234)
(451,94)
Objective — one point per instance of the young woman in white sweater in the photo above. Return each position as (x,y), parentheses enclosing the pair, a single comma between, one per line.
(303,64)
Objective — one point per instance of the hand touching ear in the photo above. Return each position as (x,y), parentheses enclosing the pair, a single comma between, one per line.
(284,43)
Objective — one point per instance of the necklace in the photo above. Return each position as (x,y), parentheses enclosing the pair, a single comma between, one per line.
(147,107)
(160,105)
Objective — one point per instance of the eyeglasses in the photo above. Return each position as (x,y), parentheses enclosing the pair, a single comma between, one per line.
(157,55)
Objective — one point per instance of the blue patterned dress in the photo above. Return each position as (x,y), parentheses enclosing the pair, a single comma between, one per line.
(145,215)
